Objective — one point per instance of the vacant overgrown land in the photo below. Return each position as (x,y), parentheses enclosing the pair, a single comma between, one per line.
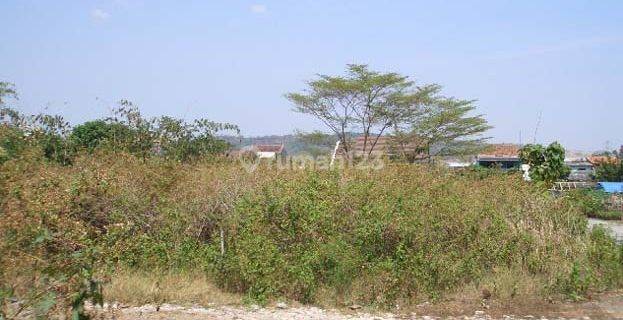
(400,235)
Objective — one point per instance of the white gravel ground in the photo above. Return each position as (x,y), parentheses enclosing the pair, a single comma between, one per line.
(168,311)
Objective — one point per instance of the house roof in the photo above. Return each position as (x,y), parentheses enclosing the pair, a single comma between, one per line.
(277,148)
(597,160)
(578,163)
(501,151)
(385,145)
(382,145)
(611,187)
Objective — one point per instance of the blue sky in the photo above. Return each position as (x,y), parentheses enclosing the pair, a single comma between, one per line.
(233,60)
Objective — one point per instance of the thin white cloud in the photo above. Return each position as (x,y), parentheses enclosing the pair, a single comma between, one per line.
(99,15)
(258,8)
(121,3)
(556,48)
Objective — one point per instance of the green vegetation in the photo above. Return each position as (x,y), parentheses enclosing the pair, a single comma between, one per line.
(128,131)
(590,202)
(593,204)
(423,122)
(546,164)
(315,143)
(133,197)
(7,91)
(610,171)
(399,235)
(609,215)
(98,134)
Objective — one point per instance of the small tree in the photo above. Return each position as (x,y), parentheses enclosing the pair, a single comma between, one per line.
(172,138)
(44,131)
(546,164)
(95,134)
(610,171)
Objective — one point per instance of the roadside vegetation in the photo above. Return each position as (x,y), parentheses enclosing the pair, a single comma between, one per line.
(610,171)
(403,235)
(91,210)
(593,203)
(547,164)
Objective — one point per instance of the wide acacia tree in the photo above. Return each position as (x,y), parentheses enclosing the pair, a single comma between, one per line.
(373,104)
(364,101)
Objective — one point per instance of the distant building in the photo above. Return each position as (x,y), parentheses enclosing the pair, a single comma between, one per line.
(269,151)
(246,152)
(581,169)
(380,147)
(504,156)
(260,151)
(384,146)
(458,162)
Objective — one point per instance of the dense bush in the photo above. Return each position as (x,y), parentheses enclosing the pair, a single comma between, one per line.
(10,143)
(99,133)
(400,234)
(590,202)
(593,203)
(610,171)
(128,131)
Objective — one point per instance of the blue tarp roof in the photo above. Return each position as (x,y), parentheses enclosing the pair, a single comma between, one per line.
(611,187)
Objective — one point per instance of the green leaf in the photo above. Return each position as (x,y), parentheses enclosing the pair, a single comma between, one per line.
(45,304)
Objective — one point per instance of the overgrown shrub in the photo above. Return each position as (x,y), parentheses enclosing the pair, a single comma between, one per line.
(590,202)
(128,132)
(547,164)
(610,171)
(593,203)
(400,234)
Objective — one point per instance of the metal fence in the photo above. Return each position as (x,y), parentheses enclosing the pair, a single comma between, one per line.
(561,186)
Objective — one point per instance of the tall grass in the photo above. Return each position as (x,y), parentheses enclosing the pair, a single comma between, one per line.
(401,234)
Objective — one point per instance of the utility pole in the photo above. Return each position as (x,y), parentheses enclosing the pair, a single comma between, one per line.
(538,124)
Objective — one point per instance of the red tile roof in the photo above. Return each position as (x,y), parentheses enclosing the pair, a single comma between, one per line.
(597,160)
(385,145)
(502,150)
(277,148)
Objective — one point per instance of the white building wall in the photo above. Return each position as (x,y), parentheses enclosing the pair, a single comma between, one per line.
(264,155)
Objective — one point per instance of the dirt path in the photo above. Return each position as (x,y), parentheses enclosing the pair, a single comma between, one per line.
(609,307)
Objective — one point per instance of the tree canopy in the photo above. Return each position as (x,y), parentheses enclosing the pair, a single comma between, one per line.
(94,134)
(377,103)
(610,171)
(435,125)
(315,143)
(7,90)
(547,164)
(127,130)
